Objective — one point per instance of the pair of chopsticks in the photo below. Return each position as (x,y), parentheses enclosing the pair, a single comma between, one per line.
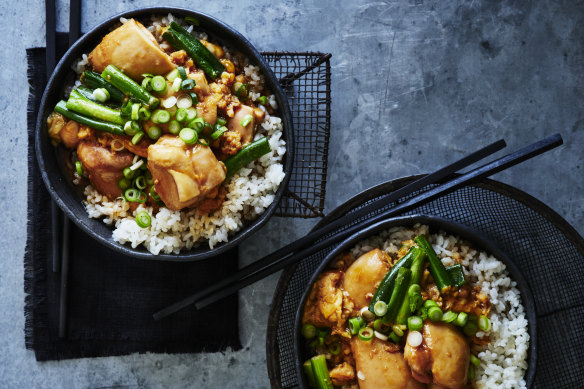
(61,265)
(359,219)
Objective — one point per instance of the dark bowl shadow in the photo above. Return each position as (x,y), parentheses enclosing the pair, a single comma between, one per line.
(68,197)
(435,224)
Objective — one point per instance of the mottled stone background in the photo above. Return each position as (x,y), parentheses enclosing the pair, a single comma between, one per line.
(415,84)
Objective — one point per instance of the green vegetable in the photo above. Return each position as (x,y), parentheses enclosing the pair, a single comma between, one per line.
(484,323)
(154,132)
(221,121)
(181,72)
(263,100)
(192,114)
(197,124)
(415,297)
(355,324)
(143,219)
(461,319)
(385,287)
(308,331)
(418,263)
(334,348)
(449,317)
(415,323)
(470,329)
(397,295)
(79,168)
(84,91)
(246,120)
(322,379)
(135,195)
(435,313)
(457,275)
(394,338)
(437,269)
(181,115)
(366,334)
(99,125)
(129,86)
(137,138)
(94,81)
(158,84)
(134,112)
(474,360)
(380,308)
(123,184)
(187,84)
(380,326)
(430,303)
(397,330)
(471,372)
(147,83)
(307,367)
(218,132)
(161,116)
(181,39)
(247,155)
(174,127)
(140,182)
(129,173)
(241,91)
(101,94)
(94,110)
(189,136)
(144,114)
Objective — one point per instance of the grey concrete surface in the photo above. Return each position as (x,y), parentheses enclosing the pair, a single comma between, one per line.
(415,84)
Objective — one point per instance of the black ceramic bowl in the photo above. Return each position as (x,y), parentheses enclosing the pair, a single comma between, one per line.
(68,197)
(435,224)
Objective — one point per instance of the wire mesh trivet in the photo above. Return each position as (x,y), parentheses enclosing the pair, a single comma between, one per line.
(306,78)
(547,250)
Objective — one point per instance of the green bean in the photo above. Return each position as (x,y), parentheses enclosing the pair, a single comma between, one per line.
(92,109)
(247,155)
(61,108)
(437,269)
(94,81)
(129,86)
(397,295)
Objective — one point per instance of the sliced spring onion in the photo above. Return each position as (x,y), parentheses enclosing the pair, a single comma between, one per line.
(143,219)
(140,182)
(197,124)
(147,83)
(169,102)
(181,115)
(263,100)
(484,323)
(135,109)
(176,84)
(367,314)
(366,334)
(430,303)
(308,331)
(144,114)
(321,374)
(194,97)
(394,338)
(161,116)
(101,94)
(435,313)
(172,75)
(380,325)
(117,145)
(154,132)
(147,75)
(154,194)
(380,335)
(135,195)
(242,91)
(79,168)
(126,109)
(471,372)
(136,165)
(124,183)
(185,101)
(174,127)
(203,141)
(334,348)
(415,323)
(128,173)
(449,317)
(380,308)
(397,330)
(187,84)
(192,114)
(148,177)
(137,138)
(414,338)
(158,84)
(461,319)
(474,360)
(221,121)
(246,120)
(181,72)
(355,324)
(189,136)
(309,373)
(218,132)
(470,329)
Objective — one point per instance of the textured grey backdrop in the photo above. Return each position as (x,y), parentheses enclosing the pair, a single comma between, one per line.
(415,84)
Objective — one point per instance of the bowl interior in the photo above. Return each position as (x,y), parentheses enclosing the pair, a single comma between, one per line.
(435,225)
(68,197)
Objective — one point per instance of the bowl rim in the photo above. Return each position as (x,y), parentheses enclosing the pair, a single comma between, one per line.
(56,185)
(434,222)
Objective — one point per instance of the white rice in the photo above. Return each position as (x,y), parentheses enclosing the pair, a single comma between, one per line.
(504,358)
(250,191)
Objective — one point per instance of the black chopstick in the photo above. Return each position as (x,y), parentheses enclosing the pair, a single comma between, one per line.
(74,34)
(474,175)
(299,244)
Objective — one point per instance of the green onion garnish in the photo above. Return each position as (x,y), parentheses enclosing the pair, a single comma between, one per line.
(194,97)
(484,323)
(366,334)
(144,114)
(470,329)
(246,120)
(461,319)
(137,138)
(154,194)
(181,115)
(128,173)
(308,331)
(263,100)
(191,114)
(135,109)
(397,330)
(181,72)
(474,360)
(189,136)
(380,325)
(79,168)
(221,121)
(355,324)
(147,83)
(394,338)
(140,182)
(172,75)
(187,84)
(101,94)
(158,84)
(160,116)
(242,92)
(124,183)
(218,132)
(415,323)
(143,219)
(335,348)
(197,124)
(154,132)
(135,195)
(380,307)
(430,303)
(449,317)
(471,372)
(174,127)
(435,314)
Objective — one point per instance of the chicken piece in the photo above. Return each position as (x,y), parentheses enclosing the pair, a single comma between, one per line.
(133,49)
(342,374)
(234,124)
(442,358)
(379,364)
(141,148)
(69,134)
(207,109)
(230,143)
(56,122)
(104,166)
(364,275)
(324,307)
(201,85)
(183,175)
(216,50)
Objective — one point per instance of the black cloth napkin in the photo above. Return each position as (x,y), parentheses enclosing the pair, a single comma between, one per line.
(112,297)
